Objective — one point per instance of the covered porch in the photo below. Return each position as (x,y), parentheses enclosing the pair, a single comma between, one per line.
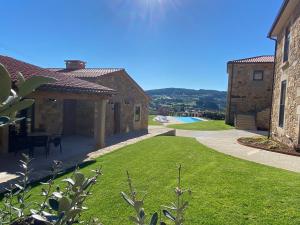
(59,115)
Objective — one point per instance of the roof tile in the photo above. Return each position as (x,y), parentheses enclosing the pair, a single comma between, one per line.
(257,59)
(63,83)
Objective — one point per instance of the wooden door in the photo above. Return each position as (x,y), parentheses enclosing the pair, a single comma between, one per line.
(117,118)
(69,117)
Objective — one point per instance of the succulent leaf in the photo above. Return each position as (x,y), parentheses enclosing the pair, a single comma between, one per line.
(127,199)
(5,83)
(18,106)
(33,83)
(168,215)
(53,204)
(79,178)
(64,204)
(154,219)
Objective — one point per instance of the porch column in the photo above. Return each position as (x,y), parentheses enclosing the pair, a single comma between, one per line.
(99,126)
(4,139)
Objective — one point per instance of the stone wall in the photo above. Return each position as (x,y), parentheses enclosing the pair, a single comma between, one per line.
(245,95)
(289,71)
(128,96)
(49,115)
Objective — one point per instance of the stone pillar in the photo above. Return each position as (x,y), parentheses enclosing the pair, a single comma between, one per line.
(4,136)
(99,126)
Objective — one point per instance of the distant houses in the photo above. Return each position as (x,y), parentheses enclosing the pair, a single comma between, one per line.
(284,84)
(96,103)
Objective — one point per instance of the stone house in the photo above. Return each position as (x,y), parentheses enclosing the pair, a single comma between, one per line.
(250,92)
(126,110)
(286,97)
(72,106)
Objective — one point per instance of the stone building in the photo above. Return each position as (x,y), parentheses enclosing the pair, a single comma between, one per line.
(76,107)
(126,111)
(286,98)
(250,92)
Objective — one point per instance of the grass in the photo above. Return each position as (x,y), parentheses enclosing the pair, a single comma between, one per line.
(226,190)
(152,122)
(209,125)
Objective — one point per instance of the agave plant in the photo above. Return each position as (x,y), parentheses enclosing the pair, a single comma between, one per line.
(12,99)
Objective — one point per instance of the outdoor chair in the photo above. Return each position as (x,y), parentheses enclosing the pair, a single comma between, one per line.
(39,141)
(56,141)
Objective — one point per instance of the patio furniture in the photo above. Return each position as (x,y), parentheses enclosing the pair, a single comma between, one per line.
(38,139)
(56,141)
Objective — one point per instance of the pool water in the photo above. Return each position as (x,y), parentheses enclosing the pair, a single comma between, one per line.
(187,119)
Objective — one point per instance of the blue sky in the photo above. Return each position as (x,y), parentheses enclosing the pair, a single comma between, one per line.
(161,43)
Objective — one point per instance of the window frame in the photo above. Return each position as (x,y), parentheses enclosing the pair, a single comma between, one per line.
(258,71)
(283,91)
(137,117)
(286,44)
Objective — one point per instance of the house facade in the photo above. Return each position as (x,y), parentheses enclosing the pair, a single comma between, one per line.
(126,110)
(250,92)
(286,98)
(68,107)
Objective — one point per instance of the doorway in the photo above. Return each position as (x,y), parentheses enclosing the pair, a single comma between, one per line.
(117,118)
(69,117)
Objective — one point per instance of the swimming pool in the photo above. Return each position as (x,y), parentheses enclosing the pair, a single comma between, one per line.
(188,119)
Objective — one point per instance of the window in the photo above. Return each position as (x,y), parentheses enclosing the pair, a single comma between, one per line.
(258,75)
(282,103)
(137,113)
(286,50)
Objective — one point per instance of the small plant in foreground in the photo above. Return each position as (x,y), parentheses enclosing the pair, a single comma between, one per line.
(137,204)
(60,206)
(178,208)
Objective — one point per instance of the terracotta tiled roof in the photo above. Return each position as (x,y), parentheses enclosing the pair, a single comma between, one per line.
(64,82)
(257,59)
(88,72)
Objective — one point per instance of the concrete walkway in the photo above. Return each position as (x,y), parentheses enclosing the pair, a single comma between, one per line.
(226,142)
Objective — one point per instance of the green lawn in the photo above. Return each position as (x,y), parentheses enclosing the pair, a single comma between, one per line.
(209,125)
(152,122)
(226,190)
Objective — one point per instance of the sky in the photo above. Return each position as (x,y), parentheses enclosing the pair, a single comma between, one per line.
(161,43)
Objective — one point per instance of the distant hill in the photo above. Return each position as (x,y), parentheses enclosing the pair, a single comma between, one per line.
(181,99)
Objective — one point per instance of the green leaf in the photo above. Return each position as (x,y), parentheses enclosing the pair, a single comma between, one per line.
(57,194)
(33,83)
(79,178)
(142,214)
(53,204)
(39,218)
(4,120)
(64,204)
(18,106)
(69,180)
(5,83)
(127,199)
(154,219)
(169,215)
(21,79)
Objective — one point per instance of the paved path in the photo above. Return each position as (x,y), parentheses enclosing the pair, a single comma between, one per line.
(226,142)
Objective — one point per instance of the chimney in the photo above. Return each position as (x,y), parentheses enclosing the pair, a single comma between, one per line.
(75,64)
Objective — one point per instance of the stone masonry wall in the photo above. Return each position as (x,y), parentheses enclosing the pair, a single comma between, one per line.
(245,95)
(49,115)
(289,71)
(128,96)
